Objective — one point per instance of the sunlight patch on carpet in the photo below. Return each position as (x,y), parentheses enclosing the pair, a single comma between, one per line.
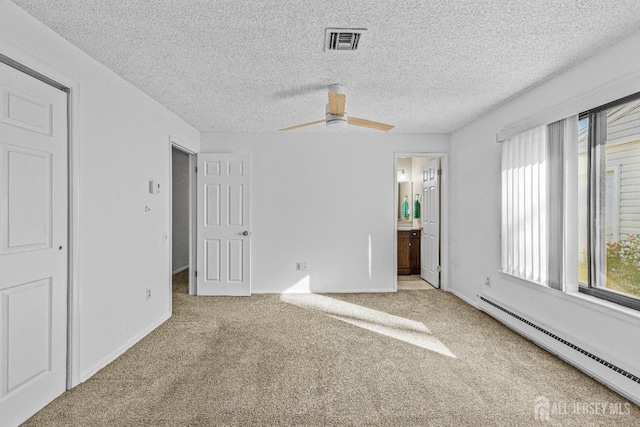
(402,329)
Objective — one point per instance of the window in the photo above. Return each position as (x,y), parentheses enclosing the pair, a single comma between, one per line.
(571,203)
(609,202)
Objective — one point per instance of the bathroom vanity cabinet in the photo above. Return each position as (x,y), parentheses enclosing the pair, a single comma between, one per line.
(408,252)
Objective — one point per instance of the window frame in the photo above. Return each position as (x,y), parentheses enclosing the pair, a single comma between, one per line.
(596,224)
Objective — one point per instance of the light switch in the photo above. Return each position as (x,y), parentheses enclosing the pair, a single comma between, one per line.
(154,187)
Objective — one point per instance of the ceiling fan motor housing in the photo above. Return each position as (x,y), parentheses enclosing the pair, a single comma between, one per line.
(336,88)
(334,121)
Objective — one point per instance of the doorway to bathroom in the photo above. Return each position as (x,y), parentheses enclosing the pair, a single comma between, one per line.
(418,220)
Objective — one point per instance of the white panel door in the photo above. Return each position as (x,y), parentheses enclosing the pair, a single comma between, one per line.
(224,229)
(430,245)
(33,244)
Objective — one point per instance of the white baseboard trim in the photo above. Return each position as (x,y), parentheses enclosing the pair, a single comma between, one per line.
(463,298)
(85,375)
(353,291)
(615,381)
(324,291)
(180,269)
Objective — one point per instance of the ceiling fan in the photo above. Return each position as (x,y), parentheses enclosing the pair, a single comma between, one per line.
(336,116)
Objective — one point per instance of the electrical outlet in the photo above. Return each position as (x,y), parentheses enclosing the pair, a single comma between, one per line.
(301,266)
(488,281)
(148,294)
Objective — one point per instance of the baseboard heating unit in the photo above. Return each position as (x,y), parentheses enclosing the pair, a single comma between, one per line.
(563,349)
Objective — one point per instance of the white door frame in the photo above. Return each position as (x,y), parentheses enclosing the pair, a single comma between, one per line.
(444,214)
(31,66)
(175,143)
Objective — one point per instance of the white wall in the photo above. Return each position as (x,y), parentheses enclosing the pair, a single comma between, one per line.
(123,140)
(475,205)
(311,202)
(180,210)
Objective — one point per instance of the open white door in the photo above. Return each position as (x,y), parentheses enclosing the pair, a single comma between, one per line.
(430,245)
(33,244)
(224,229)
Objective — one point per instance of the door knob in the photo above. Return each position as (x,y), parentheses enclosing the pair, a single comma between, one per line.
(246,233)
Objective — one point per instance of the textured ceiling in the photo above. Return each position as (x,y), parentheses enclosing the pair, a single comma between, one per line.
(423,65)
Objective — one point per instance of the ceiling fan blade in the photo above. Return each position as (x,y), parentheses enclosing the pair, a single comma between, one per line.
(336,103)
(369,124)
(303,125)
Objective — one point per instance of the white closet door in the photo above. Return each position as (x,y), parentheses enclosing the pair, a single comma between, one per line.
(33,244)
(224,229)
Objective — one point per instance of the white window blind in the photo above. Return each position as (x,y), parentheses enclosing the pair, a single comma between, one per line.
(524,205)
(538,215)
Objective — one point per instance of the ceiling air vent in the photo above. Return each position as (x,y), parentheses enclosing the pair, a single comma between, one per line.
(343,39)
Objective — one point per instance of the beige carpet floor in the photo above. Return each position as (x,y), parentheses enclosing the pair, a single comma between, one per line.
(264,361)
(413,283)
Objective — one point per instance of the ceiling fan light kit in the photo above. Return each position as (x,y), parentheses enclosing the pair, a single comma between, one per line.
(335,120)
(337,117)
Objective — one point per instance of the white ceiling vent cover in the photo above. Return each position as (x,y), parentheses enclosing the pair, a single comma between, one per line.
(343,39)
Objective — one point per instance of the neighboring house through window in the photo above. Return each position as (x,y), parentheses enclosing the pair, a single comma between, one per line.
(609,201)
